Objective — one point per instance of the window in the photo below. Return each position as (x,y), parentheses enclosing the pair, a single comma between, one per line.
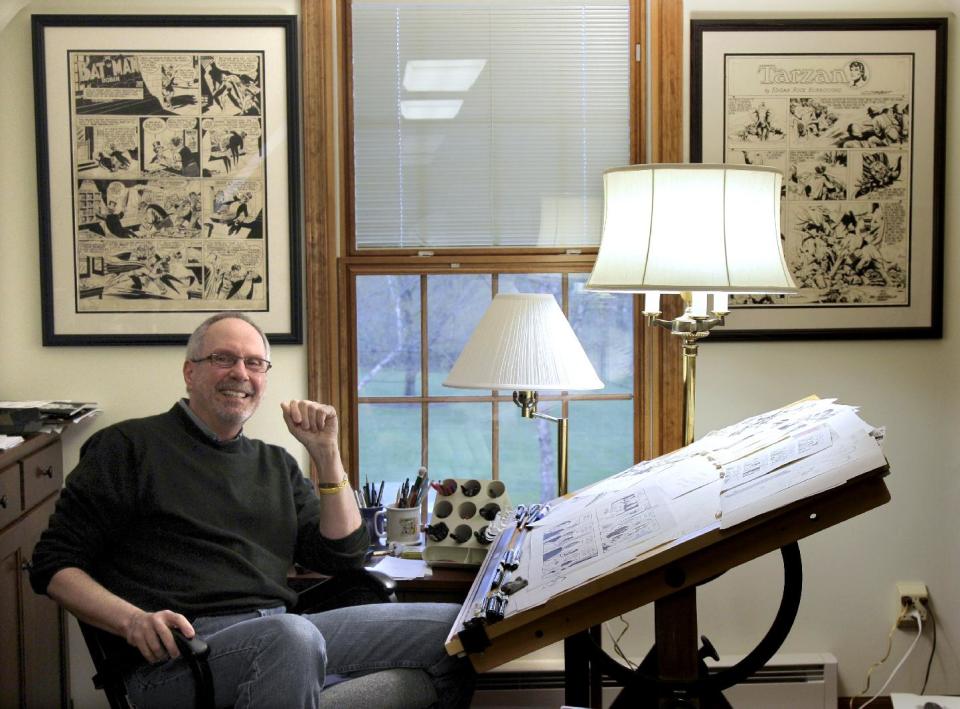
(486,124)
(480,133)
(407,417)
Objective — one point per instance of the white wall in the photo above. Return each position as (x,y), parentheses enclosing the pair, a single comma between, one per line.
(850,571)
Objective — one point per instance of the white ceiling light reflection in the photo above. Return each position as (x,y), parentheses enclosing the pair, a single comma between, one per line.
(430,110)
(441,74)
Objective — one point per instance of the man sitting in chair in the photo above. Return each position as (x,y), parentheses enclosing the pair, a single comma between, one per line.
(180,521)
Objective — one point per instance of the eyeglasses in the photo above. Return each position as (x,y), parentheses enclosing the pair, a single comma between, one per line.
(227,361)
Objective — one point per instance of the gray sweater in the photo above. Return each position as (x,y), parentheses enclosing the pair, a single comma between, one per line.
(167,518)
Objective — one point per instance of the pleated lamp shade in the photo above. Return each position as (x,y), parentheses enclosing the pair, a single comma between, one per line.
(523,342)
(691,227)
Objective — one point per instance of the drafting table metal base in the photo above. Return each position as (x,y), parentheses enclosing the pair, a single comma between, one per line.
(647,688)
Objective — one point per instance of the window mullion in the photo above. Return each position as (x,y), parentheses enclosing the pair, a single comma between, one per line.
(424,373)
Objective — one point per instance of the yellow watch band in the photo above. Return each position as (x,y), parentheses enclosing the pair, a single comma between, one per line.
(333,488)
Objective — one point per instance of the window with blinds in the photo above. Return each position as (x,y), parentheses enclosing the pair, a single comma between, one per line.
(486,124)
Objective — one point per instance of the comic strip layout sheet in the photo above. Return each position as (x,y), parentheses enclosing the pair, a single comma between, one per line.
(169,178)
(839,128)
(727,477)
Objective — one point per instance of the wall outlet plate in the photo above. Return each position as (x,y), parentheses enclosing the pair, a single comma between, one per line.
(913,595)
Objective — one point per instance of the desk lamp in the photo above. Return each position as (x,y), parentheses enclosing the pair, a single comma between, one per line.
(703,231)
(525,343)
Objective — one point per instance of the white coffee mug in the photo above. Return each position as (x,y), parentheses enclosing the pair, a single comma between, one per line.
(403,524)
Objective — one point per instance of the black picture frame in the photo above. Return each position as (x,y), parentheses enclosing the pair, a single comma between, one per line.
(790,71)
(168,175)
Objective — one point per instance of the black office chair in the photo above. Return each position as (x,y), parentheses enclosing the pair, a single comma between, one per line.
(113,657)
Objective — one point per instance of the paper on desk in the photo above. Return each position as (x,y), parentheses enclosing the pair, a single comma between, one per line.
(615,521)
(401,569)
(783,452)
(731,475)
(852,451)
(917,701)
(587,541)
(687,474)
(676,475)
(8,442)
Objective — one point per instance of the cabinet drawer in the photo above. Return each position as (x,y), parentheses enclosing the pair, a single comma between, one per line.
(9,494)
(42,474)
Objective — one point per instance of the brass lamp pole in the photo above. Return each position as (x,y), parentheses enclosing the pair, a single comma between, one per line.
(527,401)
(690,328)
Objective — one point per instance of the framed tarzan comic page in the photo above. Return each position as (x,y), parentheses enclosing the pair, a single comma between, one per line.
(852,111)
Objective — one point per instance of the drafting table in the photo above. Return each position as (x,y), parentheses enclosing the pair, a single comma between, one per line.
(668,576)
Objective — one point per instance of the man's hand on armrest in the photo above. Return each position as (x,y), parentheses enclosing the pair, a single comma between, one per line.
(83,596)
(150,633)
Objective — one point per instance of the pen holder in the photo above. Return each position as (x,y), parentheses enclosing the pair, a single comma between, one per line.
(462,510)
(403,524)
(376,521)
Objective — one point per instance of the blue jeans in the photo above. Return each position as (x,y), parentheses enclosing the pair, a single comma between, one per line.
(271,658)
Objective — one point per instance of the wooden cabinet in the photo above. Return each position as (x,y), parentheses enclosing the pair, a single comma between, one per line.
(33,650)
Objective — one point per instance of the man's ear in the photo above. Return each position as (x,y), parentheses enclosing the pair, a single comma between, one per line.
(188,367)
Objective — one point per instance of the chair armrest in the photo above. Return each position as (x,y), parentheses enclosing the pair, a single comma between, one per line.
(345,588)
(194,646)
(389,583)
(195,651)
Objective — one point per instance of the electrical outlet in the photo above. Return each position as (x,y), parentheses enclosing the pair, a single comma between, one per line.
(912,595)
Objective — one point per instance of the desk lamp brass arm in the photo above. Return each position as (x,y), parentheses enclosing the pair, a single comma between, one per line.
(527,401)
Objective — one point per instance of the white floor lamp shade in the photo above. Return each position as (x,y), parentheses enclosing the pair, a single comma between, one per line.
(691,227)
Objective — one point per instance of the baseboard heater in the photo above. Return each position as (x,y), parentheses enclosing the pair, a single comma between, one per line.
(788,681)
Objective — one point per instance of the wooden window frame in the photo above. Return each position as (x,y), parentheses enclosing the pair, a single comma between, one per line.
(441,266)
(331,261)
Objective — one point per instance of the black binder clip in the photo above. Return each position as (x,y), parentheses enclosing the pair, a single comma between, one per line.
(473,637)
(511,587)
(495,607)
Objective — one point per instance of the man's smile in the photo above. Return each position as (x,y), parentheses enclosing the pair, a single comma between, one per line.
(236,393)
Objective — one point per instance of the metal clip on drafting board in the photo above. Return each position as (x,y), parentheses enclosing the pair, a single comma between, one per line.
(487,598)
(473,637)
(494,607)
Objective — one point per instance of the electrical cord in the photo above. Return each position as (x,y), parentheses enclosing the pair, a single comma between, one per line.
(916,616)
(616,642)
(893,628)
(933,649)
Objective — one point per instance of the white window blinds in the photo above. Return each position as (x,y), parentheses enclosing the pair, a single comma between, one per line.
(486,124)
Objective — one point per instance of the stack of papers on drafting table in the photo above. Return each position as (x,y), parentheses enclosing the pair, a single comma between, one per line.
(726,477)
(776,458)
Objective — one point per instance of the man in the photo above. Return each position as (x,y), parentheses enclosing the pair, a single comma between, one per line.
(113,222)
(235,146)
(858,73)
(180,521)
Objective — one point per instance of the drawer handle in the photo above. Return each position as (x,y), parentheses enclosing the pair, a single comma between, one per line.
(46,472)
(3,502)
